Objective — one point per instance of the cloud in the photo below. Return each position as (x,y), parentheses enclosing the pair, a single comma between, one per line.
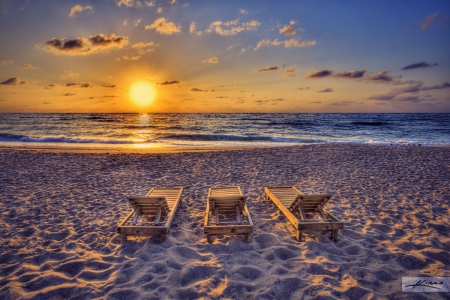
(382,76)
(413,88)
(144,47)
(243,11)
(289,72)
(327,90)
(251,25)
(351,74)
(27,66)
(50,87)
(382,97)
(6,62)
(268,69)
(415,99)
(69,94)
(231,27)
(109,86)
(136,23)
(197,90)
(129,3)
(80,85)
(149,3)
(81,46)
(289,29)
(161,8)
(287,44)
(442,85)
(78,9)
(421,64)
(126,57)
(69,74)
(303,89)
(192,27)
(169,82)
(428,20)
(212,60)
(163,27)
(13,81)
(319,74)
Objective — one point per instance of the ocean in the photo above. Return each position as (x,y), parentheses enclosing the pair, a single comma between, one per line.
(211,130)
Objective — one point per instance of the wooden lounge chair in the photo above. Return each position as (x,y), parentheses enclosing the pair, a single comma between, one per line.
(152,214)
(227,212)
(305,212)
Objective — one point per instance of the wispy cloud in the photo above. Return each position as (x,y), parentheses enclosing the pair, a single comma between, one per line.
(69,94)
(430,19)
(382,97)
(129,3)
(6,62)
(212,60)
(111,86)
(243,11)
(162,26)
(126,57)
(69,74)
(289,72)
(442,85)
(27,66)
(192,27)
(382,76)
(275,68)
(169,82)
(287,44)
(351,74)
(162,7)
(136,23)
(289,29)
(80,85)
(81,46)
(231,27)
(319,74)
(327,90)
(198,90)
(418,65)
(144,47)
(78,9)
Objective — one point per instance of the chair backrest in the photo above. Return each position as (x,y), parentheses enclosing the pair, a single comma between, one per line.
(227,203)
(149,204)
(310,203)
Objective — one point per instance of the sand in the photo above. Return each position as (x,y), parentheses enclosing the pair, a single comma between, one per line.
(59,211)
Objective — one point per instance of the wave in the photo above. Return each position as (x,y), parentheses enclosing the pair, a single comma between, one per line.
(234,138)
(5,137)
(370,123)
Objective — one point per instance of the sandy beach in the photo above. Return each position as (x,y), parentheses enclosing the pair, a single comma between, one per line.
(59,211)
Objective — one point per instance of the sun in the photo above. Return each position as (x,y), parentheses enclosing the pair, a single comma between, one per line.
(142,93)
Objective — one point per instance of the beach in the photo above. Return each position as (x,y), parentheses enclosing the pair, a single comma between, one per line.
(59,212)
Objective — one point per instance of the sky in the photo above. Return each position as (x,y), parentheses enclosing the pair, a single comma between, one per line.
(224,56)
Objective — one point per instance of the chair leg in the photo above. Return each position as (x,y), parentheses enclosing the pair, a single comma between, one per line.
(246,237)
(334,234)
(124,237)
(298,235)
(163,237)
(208,238)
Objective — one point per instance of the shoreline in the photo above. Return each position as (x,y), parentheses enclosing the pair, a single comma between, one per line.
(177,149)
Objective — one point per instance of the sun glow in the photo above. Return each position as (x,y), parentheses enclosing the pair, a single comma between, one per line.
(142,94)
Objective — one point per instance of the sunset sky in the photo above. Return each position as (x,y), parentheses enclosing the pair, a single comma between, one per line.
(225,56)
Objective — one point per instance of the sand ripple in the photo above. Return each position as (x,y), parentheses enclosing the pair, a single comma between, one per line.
(58,217)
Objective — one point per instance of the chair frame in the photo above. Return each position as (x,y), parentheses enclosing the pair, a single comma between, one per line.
(242,225)
(158,203)
(296,211)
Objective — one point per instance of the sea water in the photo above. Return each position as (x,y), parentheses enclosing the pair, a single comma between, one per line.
(222,130)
